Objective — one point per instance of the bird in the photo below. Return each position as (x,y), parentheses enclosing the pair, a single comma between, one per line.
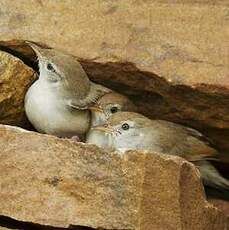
(106,106)
(109,104)
(133,131)
(57,103)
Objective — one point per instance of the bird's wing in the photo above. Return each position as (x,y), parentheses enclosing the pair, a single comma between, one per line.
(204,146)
(200,136)
(96,91)
(182,141)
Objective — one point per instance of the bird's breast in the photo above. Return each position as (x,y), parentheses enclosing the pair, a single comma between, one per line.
(49,114)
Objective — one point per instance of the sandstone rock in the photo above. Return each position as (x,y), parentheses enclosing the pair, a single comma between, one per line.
(15,78)
(58,182)
(221,204)
(172,55)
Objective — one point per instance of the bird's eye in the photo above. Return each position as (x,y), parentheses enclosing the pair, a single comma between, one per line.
(114,109)
(50,67)
(125,126)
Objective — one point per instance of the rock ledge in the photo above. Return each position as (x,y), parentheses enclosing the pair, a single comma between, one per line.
(57,182)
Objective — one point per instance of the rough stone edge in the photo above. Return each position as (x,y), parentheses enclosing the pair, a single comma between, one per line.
(218,216)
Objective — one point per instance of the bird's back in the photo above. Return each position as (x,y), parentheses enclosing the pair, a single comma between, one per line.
(175,139)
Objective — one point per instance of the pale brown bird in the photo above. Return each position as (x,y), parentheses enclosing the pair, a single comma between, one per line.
(109,104)
(57,103)
(133,131)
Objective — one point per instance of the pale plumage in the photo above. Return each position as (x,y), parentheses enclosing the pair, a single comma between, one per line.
(57,103)
(127,130)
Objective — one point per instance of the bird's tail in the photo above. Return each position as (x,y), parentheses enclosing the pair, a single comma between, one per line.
(211,177)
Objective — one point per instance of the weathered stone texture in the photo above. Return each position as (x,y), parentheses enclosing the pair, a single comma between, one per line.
(15,78)
(58,182)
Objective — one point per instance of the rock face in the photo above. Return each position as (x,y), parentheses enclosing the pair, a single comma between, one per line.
(172,55)
(221,204)
(58,182)
(15,78)
(171,58)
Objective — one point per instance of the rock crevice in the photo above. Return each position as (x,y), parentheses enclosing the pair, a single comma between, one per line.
(203,106)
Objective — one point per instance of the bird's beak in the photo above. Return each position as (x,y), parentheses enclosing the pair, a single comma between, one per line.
(36,48)
(105,128)
(96,109)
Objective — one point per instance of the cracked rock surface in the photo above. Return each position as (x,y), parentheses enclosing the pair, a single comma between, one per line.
(59,183)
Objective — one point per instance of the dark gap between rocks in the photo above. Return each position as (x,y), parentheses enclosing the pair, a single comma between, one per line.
(28,61)
(11,223)
(218,194)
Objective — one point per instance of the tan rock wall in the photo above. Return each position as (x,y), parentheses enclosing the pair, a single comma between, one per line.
(52,181)
(15,78)
(167,38)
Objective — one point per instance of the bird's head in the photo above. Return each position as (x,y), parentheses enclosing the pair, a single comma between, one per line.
(108,105)
(61,72)
(123,130)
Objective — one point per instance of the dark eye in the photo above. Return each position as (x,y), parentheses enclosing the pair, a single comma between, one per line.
(114,109)
(125,126)
(50,67)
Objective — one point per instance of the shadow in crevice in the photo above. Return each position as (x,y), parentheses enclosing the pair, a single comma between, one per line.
(25,58)
(11,223)
(216,193)
(21,50)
